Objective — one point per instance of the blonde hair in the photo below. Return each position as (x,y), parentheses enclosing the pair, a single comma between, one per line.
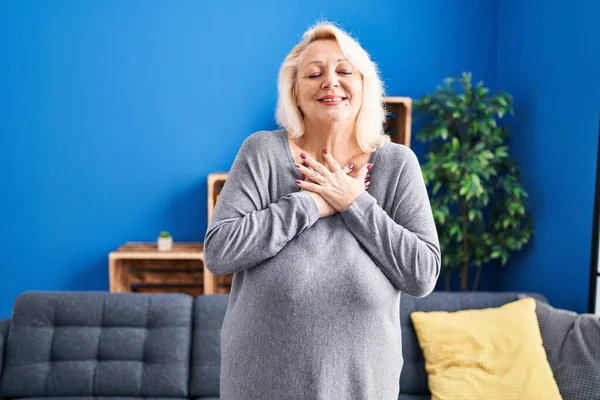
(372,114)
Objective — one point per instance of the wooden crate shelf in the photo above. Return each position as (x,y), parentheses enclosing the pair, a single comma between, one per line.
(194,291)
(216,180)
(216,284)
(140,267)
(222,284)
(398,123)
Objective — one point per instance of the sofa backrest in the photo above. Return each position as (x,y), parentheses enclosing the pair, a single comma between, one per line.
(4,327)
(98,344)
(413,379)
(209,313)
(142,345)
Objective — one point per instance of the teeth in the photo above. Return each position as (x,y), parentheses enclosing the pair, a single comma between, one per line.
(332,99)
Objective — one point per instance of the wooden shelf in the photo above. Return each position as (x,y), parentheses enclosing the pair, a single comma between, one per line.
(215,284)
(140,267)
(398,124)
(216,180)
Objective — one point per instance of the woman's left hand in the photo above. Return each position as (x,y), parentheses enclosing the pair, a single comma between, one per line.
(330,181)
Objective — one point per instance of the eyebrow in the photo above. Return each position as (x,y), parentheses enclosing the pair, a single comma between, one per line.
(321,62)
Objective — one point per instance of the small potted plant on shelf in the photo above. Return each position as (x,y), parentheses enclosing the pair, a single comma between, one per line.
(165,241)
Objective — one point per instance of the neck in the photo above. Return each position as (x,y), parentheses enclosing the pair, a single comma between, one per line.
(339,140)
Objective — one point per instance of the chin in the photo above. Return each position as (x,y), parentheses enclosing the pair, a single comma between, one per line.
(334,118)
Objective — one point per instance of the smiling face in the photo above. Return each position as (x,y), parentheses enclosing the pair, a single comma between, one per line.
(329,88)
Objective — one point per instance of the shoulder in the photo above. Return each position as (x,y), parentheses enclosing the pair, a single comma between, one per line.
(262,145)
(398,155)
(398,163)
(264,139)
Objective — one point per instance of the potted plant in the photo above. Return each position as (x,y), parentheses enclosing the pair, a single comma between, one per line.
(477,200)
(165,241)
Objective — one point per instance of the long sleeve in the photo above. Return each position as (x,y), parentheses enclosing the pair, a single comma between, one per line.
(246,228)
(404,245)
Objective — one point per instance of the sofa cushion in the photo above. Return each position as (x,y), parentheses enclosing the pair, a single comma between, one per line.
(413,379)
(495,353)
(98,344)
(209,312)
(572,342)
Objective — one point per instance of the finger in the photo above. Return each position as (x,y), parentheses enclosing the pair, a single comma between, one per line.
(330,161)
(310,174)
(364,171)
(313,187)
(314,164)
(348,168)
(367,185)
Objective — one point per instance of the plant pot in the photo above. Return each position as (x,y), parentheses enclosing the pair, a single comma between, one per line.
(165,243)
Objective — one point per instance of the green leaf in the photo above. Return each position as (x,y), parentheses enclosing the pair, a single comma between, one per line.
(455,144)
(474,214)
(487,154)
(456,231)
(443,132)
(449,80)
(501,152)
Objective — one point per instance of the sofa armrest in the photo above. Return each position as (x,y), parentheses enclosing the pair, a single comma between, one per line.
(4,326)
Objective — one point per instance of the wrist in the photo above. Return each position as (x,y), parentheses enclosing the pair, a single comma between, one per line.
(349,203)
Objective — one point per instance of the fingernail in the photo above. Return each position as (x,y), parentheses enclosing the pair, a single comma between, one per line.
(324,151)
(297,165)
(368,176)
(369,166)
(351,166)
(298,181)
(303,155)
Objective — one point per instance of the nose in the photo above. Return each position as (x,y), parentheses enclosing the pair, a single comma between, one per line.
(330,80)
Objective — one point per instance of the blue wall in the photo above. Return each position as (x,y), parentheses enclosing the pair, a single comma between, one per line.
(549,59)
(112,115)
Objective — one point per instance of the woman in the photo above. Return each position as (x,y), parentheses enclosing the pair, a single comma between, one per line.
(323,224)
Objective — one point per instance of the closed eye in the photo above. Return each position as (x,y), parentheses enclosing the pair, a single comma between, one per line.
(319,74)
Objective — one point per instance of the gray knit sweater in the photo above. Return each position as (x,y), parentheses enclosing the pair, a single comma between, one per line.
(313,311)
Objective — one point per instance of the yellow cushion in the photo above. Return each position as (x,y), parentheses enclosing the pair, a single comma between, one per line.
(493,353)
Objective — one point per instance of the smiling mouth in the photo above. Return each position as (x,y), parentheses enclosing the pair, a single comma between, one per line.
(332,100)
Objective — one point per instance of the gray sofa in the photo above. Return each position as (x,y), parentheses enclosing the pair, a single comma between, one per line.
(161,346)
